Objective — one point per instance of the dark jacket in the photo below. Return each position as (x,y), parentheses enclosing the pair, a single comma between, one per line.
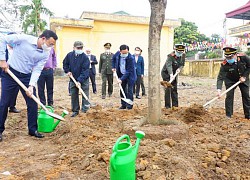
(78,65)
(139,65)
(105,63)
(93,63)
(171,65)
(130,74)
(231,73)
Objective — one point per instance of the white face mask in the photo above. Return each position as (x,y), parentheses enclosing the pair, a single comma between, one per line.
(45,47)
(137,52)
(78,51)
(107,50)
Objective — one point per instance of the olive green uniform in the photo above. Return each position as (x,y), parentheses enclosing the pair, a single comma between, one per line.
(230,74)
(171,65)
(105,68)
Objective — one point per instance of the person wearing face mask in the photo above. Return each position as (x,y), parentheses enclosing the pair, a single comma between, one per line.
(92,70)
(235,67)
(139,65)
(26,63)
(124,65)
(76,63)
(174,64)
(105,69)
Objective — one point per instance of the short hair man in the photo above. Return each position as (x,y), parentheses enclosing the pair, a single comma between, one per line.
(26,63)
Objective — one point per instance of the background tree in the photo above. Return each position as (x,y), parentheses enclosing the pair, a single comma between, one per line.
(188,33)
(31,16)
(157,18)
(10,15)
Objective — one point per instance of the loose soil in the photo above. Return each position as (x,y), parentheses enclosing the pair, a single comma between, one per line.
(189,143)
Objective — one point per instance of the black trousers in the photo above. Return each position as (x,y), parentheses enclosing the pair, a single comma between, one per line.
(7,92)
(92,79)
(229,101)
(137,85)
(46,78)
(143,87)
(14,97)
(171,94)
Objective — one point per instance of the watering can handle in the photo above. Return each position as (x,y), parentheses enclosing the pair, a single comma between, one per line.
(125,136)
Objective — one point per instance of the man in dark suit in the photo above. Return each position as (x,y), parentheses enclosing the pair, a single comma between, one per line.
(235,67)
(139,66)
(92,70)
(124,64)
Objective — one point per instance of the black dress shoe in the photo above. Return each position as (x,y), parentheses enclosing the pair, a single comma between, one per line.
(122,107)
(14,110)
(138,97)
(103,97)
(74,114)
(144,94)
(1,137)
(36,134)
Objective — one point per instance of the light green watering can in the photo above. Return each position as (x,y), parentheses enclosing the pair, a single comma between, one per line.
(45,122)
(123,158)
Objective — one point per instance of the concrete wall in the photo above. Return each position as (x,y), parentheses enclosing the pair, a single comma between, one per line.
(202,68)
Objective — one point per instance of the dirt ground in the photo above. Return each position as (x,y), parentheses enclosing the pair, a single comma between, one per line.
(191,142)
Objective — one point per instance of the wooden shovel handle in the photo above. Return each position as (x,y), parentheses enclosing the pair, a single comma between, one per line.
(120,86)
(26,89)
(74,80)
(229,89)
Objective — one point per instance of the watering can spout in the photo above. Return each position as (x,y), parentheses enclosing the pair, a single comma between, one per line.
(57,122)
(140,135)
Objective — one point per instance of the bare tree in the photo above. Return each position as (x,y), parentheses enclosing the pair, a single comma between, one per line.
(157,18)
(10,15)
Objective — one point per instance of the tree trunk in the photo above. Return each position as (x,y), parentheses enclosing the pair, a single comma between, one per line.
(156,21)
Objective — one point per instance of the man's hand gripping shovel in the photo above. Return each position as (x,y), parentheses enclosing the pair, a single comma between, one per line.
(56,116)
(123,93)
(167,84)
(229,89)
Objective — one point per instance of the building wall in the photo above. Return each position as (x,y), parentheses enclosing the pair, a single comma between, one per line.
(202,68)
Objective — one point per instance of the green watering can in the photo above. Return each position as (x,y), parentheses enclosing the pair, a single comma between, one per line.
(123,158)
(45,122)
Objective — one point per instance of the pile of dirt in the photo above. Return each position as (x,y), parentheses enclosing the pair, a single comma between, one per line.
(189,142)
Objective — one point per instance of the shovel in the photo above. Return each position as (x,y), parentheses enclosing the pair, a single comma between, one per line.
(56,116)
(80,89)
(229,89)
(120,86)
(168,84)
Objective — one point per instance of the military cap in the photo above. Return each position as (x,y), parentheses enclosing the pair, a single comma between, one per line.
(78,44)
(228,51)
(179,47)
(108,45)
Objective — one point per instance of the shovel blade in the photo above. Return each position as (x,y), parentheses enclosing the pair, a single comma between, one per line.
(128,101)
(56,116)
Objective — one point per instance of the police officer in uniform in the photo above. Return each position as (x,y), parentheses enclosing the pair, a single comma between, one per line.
(174,63)
(234,68)
(105,68)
